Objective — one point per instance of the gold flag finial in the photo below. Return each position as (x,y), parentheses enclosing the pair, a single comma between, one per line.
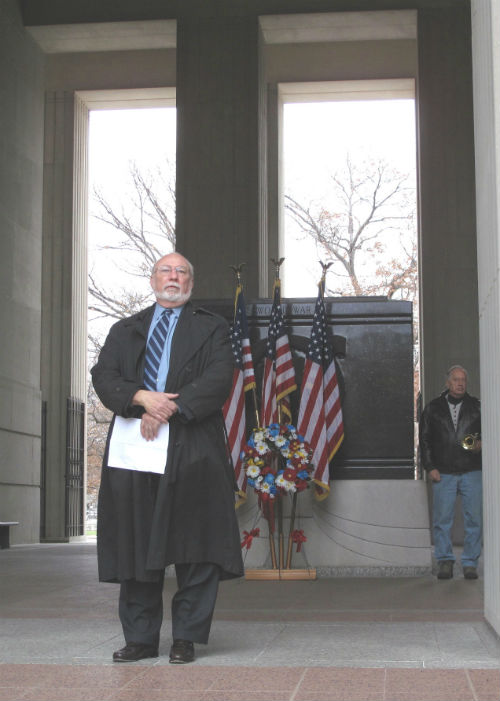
(325,267)
(277,265)
(237,271)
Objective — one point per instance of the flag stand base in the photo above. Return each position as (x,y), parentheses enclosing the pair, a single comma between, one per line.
(274,574)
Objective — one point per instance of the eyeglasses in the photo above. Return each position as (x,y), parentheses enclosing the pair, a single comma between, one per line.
(167,269)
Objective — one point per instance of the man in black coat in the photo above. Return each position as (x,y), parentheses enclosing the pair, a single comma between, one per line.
(178,372)
(454,466)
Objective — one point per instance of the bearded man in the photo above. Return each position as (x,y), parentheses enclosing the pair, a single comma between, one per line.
(168,364)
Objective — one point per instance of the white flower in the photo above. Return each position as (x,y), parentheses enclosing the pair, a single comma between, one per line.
(265,487)
(258,436)
(261,448)
(281,481)
(280,440)
(253,471)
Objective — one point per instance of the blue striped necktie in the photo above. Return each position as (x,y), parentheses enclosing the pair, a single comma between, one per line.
(154,350)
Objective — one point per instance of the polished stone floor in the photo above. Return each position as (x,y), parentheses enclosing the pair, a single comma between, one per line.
(365,639)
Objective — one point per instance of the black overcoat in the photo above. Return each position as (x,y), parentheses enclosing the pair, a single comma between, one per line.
(147,521)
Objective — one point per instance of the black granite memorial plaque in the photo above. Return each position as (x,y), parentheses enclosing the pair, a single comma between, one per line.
(373,346)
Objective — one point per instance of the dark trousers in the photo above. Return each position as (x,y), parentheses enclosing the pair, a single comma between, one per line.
(141,605)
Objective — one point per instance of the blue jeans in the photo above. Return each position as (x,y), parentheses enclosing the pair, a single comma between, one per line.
(469,486)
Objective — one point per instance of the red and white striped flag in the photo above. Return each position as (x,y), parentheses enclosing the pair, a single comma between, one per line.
(320,413)
(279,375)
(243,381)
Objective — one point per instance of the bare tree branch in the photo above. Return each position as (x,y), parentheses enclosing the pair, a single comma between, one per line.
(139,232)
(368,206)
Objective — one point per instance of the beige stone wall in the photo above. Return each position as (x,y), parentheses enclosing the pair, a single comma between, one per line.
(486,61)
(21,146)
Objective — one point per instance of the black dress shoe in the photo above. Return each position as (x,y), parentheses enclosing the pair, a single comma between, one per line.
(135,651)
(182,651)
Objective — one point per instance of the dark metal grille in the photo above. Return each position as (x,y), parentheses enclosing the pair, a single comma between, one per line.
(43,469)
(75,467)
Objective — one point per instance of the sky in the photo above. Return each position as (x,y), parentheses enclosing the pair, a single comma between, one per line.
(317,137)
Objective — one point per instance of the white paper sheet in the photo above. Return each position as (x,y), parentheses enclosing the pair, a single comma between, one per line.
(130,451)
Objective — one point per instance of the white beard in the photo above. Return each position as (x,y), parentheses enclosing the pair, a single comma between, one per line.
(176,296)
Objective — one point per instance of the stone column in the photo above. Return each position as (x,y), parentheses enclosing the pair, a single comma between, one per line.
(21,146)
(218,102)
(447,197)
(486,71)
(64,296)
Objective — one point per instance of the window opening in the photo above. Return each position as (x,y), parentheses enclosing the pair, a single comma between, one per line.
(131,223)
(348,184)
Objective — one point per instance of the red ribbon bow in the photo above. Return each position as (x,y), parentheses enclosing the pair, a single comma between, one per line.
(298,538)
(249,536)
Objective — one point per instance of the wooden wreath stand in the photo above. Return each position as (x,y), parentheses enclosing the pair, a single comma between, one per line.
(275,574)
(280,570)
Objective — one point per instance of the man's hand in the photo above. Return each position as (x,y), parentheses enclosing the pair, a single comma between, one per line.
(159,405)
(149,427)
(435,475)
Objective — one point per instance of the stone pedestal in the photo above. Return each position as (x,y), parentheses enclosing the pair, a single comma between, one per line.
(364,528)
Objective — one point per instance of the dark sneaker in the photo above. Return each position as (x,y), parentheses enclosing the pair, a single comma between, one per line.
(445,569)
(470,572)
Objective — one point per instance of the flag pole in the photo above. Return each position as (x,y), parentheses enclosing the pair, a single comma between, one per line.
(256,411)
(325,267)
(237,271)
(321,285)
(290,537)
(277,266)
(281,542)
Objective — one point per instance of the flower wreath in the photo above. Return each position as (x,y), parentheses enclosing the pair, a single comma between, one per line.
(277,460)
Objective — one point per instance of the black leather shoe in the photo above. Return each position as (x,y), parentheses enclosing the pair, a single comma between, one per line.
(470,572)
(181,652)
(134,651)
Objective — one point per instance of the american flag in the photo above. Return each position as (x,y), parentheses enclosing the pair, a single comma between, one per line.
(279,376)
(320,414)
(243,380)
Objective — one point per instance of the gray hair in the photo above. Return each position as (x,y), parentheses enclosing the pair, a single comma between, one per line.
(456,367)
(188,263)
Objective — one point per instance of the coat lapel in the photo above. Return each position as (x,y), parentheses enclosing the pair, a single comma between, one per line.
(139,324)
(141,321)
(462,415)
(447,413)
(189,336)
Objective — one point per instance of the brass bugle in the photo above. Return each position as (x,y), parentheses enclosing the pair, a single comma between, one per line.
(471,440)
